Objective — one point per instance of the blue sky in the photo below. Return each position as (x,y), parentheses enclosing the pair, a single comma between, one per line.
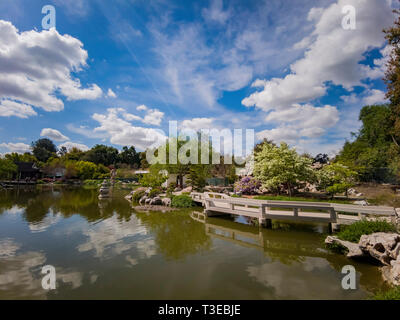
(117,72)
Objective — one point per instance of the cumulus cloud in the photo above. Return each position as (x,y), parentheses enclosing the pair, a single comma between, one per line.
(53,134)
(70,145)
(333,56)
(197,123)
(10,108)
(121,132)
(16,147)
(35,66)
(375,97)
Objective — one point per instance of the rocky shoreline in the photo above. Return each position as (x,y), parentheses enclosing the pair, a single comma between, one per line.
(380,246)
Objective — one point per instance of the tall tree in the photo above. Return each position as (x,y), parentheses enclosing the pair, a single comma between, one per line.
(102,154)
(43,149)
(392,77)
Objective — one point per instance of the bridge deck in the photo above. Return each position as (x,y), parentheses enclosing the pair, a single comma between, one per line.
(266,210)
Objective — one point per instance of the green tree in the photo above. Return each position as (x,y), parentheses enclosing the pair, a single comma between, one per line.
(392,78)
(43,149)
(336,178)
(155,178)
(7,168)
(129,156)
(369,153)
(281,166)
(102,154)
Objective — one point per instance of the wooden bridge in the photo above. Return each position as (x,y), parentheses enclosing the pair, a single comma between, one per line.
(298,211)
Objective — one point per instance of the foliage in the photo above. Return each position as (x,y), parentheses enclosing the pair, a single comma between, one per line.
(7,168)
(247,185)
(102,154)
(336,178)
(321,158)
(17,157)
(182,201)
(391,294)
(354,231)
(286,198)
(155,178)
(373,154)
(198,174)
(392,79)
(129,156)
(155,192)
(43,149)
(281,166)
(137,195)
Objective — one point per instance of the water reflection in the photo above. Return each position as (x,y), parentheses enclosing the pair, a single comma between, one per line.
(104,249)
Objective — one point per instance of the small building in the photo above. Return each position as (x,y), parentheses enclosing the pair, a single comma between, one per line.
(27,170)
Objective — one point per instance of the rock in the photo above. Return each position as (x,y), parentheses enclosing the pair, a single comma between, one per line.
(177,189)
(392,273)
(166,202)
(379,245)
(142,200)
(128,197)
(147,201)
(353,248)
(188,189)
(351,191)
(395,252)
(156,201)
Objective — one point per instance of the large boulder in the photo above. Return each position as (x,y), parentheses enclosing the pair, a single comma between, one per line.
(392,273)
(166,202)
(353,248)
(156,201)
(380,245)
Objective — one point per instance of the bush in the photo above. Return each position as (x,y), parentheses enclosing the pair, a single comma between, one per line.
(183,201)
(154,192)
(247,185)
(391,294)
(354,231)
(137,195)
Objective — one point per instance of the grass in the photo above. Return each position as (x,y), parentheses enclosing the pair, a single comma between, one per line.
(286,198)
(354,231)
(391,294)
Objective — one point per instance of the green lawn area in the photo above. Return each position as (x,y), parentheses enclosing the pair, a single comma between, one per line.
(286,198)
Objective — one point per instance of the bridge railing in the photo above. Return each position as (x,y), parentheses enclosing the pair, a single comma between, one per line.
(263,208)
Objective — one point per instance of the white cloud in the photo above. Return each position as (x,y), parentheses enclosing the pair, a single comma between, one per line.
(333,56)
(375,97)
(153,117)
(111,94)
(16,147)
(278,135)
(215,12)
(197,123)
(53,134)
(70,145)
(123,133)
(10,108)
(34,66)
(141,108)
(309,120)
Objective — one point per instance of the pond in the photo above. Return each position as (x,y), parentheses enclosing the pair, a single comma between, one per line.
(103,249)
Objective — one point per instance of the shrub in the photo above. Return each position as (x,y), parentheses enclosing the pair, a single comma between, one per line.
(137,195)
(391,294)
(182,201)
(247,185)
(154,192)
(354,231)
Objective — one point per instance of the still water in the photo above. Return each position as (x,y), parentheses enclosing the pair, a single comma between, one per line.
(103,249)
